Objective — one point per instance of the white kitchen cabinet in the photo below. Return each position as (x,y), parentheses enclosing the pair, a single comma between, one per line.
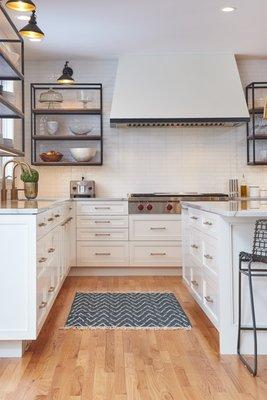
(102,254)
(32,273)
(108,208)
(156,254)
(155,227)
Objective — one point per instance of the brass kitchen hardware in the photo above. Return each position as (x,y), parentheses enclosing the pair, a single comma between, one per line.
(194,246)
(52,250)
(208,299)
(42,224)
(21,5)
(42,259)
(70,208)
(32,30)
(158,254)
(102,222)
(102,208)
(14,190)
(51,289)
(51,219)
(102,254)
(208,257)
(194,218)
(102,234)
(57,215)
(66,77)
(195,283)
(207,223)
(43,304)
(152,228)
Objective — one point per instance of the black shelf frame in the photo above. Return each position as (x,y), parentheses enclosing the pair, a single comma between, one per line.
(65,111)
(9,72)
(252,136)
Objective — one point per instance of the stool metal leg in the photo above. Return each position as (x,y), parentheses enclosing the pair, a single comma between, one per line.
(252,370)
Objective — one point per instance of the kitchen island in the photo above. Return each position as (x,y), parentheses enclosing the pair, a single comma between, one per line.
(213,235)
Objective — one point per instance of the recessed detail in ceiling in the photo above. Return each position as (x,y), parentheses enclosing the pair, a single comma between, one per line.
(31,30)
(228,9)
(66,77)
(21,5)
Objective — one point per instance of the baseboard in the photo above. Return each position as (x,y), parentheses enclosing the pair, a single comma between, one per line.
(127,271)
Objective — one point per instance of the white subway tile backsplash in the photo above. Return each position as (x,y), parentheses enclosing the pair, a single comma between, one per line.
(151,159)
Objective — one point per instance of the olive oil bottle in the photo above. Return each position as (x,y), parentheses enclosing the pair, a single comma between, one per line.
(243,187)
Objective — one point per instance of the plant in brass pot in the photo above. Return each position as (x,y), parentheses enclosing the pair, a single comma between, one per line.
(30,179)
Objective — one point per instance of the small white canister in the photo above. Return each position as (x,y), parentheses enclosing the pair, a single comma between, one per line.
(254,191)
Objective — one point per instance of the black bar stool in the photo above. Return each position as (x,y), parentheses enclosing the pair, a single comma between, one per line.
(258,255)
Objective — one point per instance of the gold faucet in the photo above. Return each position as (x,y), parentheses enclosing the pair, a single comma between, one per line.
(14,189)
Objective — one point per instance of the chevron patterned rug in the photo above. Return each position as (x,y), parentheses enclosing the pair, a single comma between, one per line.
(126,311)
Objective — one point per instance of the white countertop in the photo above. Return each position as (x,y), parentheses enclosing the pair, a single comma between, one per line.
(236,208)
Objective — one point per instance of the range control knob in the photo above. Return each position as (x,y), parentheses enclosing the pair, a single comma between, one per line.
(169,207)
(74,188)
(149,207)
(140,207)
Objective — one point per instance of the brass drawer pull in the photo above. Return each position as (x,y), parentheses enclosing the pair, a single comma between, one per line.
(208,257)
(207,223)
(194,218)
(208,299)
(158,254)
(42,260)
(43,304)
(70,208)
(51,289)
(50,219)
(57,215)
(102,208)
(194,246)
(52,250)
(102,254)
(158,228)
(42,224)
(102,222)
(102,234)
(194,283)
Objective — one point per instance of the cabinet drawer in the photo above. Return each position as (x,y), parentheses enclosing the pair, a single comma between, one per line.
(194,217)
(155,229)
(102,222)
(196,282)
(155,254)
(195,245)
(102,234)
(211,297)
(102,208)
(102,254)
(209,223)
(209,253)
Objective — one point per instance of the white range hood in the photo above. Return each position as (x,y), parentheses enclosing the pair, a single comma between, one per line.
(178,89)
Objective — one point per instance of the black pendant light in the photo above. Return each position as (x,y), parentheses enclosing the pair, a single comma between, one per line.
(21,5)
(66,77)
(31,30)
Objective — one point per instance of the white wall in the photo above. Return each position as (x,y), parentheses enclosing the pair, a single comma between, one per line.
(151,159)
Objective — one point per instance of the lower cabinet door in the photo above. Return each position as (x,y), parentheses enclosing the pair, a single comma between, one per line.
(154,254)
(196,282)
(211,298)
(41,296)
(102,254)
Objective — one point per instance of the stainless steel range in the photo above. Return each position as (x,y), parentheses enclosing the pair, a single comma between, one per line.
(167,203)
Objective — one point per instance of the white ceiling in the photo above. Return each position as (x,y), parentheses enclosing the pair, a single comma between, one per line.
(77,29)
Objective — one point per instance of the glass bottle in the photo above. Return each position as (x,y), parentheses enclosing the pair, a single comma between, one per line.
(243,187)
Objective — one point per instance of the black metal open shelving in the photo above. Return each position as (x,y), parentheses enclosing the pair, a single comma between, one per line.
(11,72)
(36,112)
(255,112)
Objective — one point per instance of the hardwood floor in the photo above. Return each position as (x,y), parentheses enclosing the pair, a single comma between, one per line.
(128,365)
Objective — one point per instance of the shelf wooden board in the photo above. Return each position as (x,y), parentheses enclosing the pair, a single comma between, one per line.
(8,71)
(66,137)
(9,151)
(257,110)
(258,137)
(67,111)
(65,163)
(8,110)
(258,163)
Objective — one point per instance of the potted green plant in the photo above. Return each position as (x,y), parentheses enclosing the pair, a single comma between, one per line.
(30,179)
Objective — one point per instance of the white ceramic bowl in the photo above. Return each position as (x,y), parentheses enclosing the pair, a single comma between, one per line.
(83,154)
(80,129)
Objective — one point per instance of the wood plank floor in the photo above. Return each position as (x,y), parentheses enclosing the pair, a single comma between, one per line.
(128,365)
